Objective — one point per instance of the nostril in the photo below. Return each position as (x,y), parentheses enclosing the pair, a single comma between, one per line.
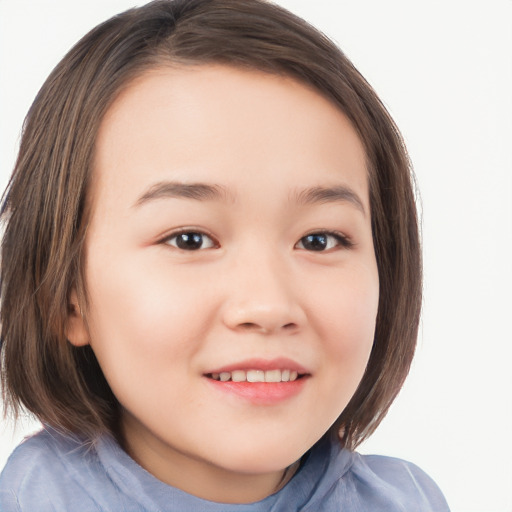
(248,325)
(263,316)
(251,326)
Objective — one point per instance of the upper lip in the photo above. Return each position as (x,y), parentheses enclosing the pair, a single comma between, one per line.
(280,363)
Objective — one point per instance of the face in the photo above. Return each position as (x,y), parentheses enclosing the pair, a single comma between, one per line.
(230,242)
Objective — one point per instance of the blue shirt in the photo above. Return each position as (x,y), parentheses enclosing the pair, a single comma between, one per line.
(51,472)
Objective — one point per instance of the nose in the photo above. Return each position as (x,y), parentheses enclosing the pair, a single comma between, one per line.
(263,298)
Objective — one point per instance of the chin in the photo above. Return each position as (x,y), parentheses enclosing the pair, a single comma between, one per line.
(258,459)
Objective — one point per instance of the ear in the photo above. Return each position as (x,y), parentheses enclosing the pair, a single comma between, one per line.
(76,328)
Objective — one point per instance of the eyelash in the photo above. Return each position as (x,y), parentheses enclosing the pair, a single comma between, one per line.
(189,231)
(342,241)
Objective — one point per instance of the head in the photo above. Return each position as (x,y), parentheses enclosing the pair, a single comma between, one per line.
(51,199)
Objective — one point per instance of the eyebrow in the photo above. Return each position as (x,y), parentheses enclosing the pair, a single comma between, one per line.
(177,190)
(334,194)
(212,192)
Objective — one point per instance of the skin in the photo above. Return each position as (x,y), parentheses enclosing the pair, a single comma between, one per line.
(159,318)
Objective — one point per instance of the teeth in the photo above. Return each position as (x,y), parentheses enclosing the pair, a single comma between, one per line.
(273,376)
(238,376)
(256,376)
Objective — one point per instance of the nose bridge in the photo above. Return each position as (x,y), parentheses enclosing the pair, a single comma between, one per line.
(262,294)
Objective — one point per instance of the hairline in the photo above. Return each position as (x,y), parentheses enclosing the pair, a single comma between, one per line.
(160,61)
(344,86)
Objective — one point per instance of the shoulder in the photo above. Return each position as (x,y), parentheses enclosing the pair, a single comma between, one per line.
(334,479)
(387,479)
(45,472)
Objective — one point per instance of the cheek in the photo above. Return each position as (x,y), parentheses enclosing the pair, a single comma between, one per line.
(138,321)
(346,321)
(343,317)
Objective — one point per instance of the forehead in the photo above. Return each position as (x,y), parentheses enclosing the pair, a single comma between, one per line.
(215,122)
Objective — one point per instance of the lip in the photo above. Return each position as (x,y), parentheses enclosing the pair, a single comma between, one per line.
(261,393)
(280,363)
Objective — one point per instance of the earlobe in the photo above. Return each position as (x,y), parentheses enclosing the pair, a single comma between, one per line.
(76,328)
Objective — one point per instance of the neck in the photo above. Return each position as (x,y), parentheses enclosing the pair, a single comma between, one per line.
(198,477)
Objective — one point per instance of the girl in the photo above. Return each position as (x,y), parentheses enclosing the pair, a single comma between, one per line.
(211,273)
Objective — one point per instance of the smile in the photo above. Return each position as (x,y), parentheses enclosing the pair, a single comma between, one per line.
(260,381)
(256,376)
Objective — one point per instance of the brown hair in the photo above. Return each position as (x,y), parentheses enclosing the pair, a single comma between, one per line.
(45,209)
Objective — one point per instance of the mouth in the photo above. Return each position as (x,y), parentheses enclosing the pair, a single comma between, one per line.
(276,375)
(260,382)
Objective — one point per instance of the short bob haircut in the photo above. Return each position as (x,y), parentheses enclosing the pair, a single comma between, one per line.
(45,208)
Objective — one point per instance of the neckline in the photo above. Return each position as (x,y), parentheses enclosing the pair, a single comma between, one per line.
(139,485)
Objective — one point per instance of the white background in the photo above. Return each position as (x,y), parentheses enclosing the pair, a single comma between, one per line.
(444,70)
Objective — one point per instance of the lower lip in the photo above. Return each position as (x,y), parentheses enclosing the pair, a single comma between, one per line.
(261,393)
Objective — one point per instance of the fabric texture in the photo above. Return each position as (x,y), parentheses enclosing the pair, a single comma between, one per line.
(52,472)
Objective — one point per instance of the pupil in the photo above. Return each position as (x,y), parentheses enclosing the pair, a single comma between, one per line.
(315,242)
(189,241)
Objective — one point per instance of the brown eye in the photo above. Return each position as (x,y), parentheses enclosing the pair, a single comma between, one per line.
(190,241)
(323,241)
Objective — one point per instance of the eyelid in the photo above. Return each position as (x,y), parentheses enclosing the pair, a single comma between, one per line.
(188,229)
(343,240)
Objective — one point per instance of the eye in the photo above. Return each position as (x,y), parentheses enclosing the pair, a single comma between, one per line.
(323,241)
(190,241)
